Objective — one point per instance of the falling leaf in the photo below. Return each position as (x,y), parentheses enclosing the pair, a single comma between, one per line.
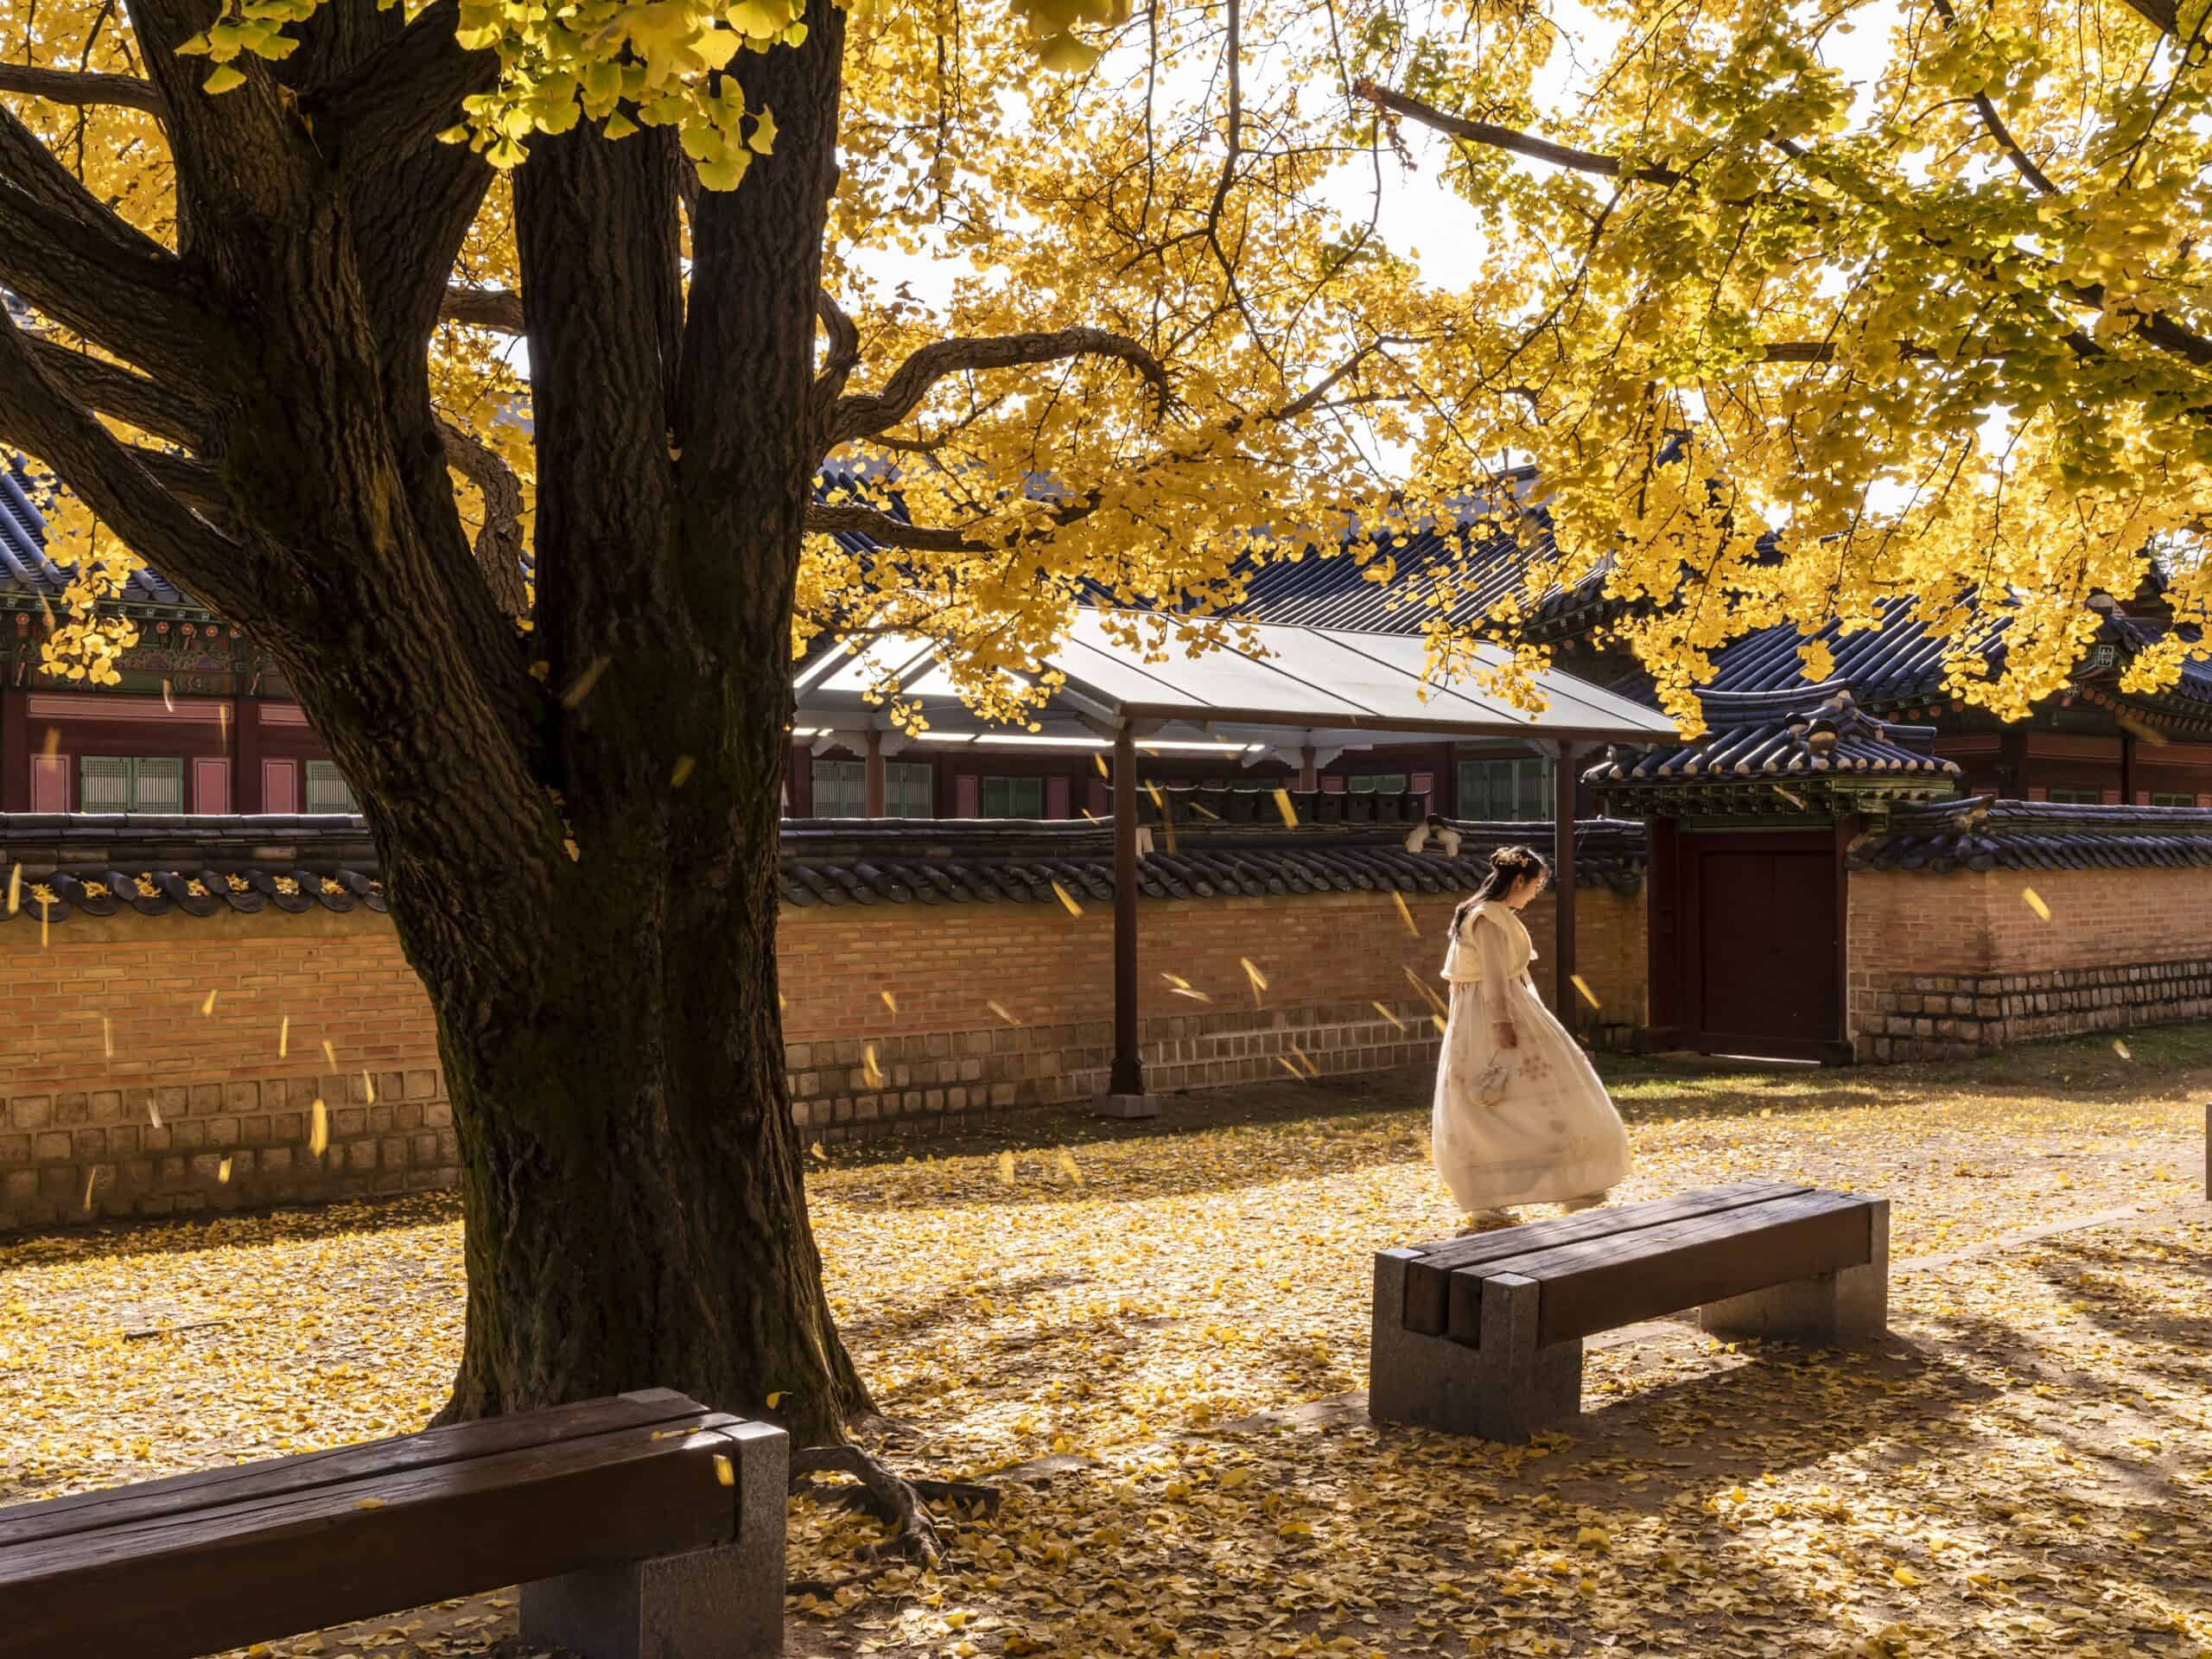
(52,745)
(1000,1010)
(1404,914)
(368,1502)
(1437,1020)
(91,1175)
(1205,811)
(889,1001)
(1284,1061)
(329,1054)
(370,1083)
(1259,980)
(208,1007)
(153,1111)
(318,1128)
(776,1399)
(2120,1047)
(1426,994)
(1073,908)
(580,688)
(816,1150)
(1153,790)
(1794,800)
(284,1037)
(2033,899)
(1583,985)
(1099,762)
(107,1037)
(681,774)
(14,889)
(1067,1167)
(169,701)
(725,1471)
(1186,991)
(869,1069)
(223,1172)
(1177,981)
(1289,812)
(1396,1022)
(1006,1169)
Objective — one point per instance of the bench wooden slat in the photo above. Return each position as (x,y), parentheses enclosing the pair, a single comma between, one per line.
(1428,1277)
(1603,1284)
(28,1524)
(188,1582)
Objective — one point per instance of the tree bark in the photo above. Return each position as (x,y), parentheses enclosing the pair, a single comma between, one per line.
(598,943)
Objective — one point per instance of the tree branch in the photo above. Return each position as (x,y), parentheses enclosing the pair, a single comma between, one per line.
(401,94)
(1498,138)
(2164,15)
(95,283)
(496,309)
(499,542)
(78,88)
(118,482)
(850,519)
(2022,165)
(842,357)
(862,414)
(150,405)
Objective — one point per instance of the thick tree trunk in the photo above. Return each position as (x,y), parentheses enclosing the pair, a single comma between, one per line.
(636,1216)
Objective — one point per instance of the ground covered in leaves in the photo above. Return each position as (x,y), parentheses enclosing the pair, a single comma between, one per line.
(1159,1334)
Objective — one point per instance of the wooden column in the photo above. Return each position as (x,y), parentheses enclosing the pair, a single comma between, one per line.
(15,750)
(871,776)
(246,788)
(2126,767)
(1564,996)
(1309,778)
(2012,764)
(1126,1079)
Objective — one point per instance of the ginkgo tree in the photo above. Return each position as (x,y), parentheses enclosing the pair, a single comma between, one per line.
(275,257)
(1806,312)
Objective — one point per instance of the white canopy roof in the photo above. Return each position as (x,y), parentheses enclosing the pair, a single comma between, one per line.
(1265,685)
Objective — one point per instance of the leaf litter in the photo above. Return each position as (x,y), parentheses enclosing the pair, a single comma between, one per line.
(1166,1349)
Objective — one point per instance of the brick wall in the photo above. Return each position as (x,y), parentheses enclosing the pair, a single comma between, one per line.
(1945,966)
(112,1079)
(120,1084)
(939,1047)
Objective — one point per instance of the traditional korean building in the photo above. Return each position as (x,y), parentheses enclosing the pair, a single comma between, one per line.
(201,723)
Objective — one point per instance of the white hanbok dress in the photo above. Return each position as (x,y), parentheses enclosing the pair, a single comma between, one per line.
(1554,1135)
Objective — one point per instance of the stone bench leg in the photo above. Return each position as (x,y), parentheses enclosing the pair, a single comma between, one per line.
(1826,1310)
(722,1603)
(1506,1389)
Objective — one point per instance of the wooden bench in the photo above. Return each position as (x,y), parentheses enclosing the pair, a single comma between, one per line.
(612,1515)
(1483,1336)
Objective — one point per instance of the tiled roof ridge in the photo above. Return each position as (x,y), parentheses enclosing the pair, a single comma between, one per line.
(966,861)
(1977,834)
(1812,731)
(96,864)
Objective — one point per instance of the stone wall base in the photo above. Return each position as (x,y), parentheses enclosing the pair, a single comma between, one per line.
(1953,1016)
(77,1155)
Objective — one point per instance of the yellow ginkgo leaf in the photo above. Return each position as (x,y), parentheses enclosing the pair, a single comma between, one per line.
(223,78)
(1006,1169)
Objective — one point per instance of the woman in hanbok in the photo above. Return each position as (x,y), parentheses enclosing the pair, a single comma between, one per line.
(1520,1116)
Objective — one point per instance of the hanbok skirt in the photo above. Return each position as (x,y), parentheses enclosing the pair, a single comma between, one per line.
(1551,1136)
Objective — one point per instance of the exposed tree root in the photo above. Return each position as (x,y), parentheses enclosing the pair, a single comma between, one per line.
(903,1503)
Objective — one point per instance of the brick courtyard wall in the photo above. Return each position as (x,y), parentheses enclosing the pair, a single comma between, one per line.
(119,1097)
(1946,966)
(122,1097)
(1327,961)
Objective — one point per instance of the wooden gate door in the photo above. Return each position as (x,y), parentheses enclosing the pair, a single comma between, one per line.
(1762,920)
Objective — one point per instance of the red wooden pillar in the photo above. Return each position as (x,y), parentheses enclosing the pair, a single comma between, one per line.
(247,789)
(15,751)
(1565,998)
